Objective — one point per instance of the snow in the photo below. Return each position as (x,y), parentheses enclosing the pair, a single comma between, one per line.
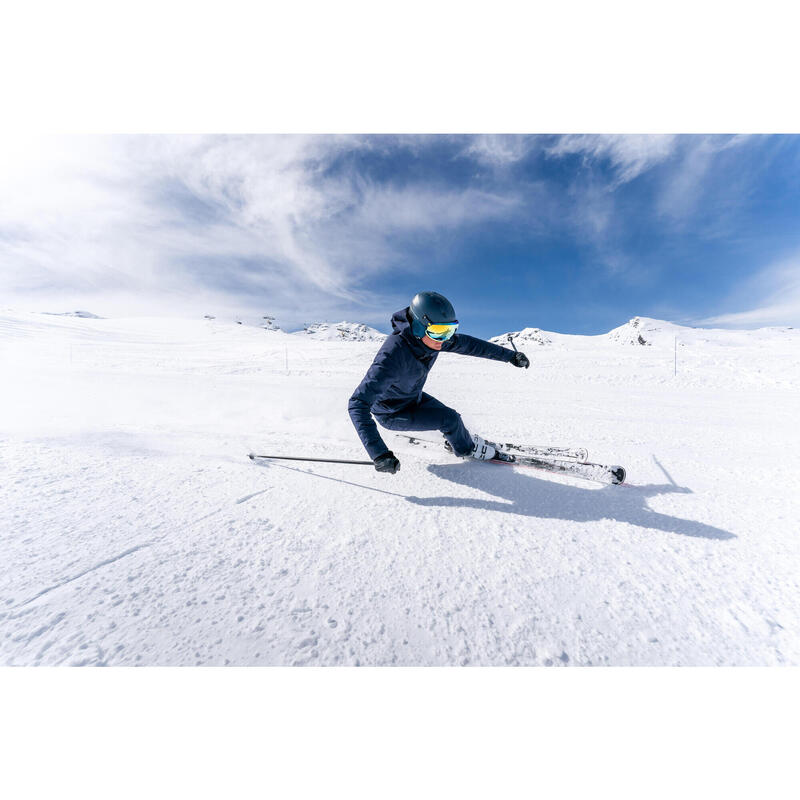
(135,531)
(342,331)
(265,321)
(525,336)
(644,331)
(82,314)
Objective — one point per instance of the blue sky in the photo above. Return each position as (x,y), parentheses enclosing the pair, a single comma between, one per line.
(572,233)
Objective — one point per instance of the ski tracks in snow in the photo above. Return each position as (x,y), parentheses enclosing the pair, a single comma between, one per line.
(225,586)
(136,531)
(53,527)
(442,564)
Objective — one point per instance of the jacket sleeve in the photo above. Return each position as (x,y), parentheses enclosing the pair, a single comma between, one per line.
(378,378)
(470,346)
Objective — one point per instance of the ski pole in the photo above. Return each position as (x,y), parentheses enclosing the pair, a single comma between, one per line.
(254,456)
(511,339)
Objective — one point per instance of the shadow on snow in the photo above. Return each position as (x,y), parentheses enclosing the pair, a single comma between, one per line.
(526,495)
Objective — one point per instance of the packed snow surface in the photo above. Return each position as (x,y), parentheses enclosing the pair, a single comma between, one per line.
(134,530)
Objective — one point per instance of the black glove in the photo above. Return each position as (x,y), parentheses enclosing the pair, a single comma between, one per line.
(386,462)
(520,360)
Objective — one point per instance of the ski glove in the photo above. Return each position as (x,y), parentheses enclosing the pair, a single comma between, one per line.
(386,462)
(520,360)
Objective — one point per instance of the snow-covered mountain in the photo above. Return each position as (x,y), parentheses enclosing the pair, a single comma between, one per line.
(647,332)
(342,332)
(135,530)
(525,336)
(82,314)
(660,333)
(632,332)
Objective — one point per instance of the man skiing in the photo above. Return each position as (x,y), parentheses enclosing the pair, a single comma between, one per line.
(392,388)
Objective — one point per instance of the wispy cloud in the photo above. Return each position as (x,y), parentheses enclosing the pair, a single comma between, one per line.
(424,209)
(685,186)
(253,219)
(312,227)
(629,155)
(773,294)
(682,172)
(499,150)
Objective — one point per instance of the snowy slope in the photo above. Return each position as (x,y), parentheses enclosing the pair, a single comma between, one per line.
(136,531)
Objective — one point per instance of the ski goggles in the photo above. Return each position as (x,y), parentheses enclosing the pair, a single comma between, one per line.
(441,332)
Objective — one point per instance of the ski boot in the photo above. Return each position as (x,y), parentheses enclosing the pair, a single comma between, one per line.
(481,449)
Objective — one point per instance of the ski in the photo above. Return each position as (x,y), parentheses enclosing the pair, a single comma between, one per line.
(539,451)
(603,473)
(579,454)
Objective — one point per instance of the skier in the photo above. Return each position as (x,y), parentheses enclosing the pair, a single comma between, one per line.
(392,388)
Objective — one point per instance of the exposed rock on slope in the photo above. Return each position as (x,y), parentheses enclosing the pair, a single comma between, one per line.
(82,314)
(526,335)
(342,331)
(633,332)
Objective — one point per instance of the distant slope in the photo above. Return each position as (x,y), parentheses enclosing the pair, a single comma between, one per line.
(646,332)
(342,331)
(82,314)
(267,321)
(527,335)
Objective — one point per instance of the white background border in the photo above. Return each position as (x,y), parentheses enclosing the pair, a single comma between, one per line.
(92,67)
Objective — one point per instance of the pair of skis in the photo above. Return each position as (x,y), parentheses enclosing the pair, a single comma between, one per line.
(560,460)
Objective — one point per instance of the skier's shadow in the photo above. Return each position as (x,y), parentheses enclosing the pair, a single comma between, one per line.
(527,495)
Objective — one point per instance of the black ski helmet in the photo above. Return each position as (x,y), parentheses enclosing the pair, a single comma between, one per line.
(430,308)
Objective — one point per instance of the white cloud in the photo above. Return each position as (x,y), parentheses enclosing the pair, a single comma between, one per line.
(499,150)
(680,187)
(591,205)
(778,314)
(773,294)
(628,154)
(276,221)
(688,172)
(288,225)
(684,187)
(428,210)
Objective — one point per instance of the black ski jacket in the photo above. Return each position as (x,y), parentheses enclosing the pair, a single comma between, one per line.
(398,373)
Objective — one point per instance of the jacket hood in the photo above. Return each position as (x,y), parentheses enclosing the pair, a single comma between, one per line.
(401,325)
(400,322)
